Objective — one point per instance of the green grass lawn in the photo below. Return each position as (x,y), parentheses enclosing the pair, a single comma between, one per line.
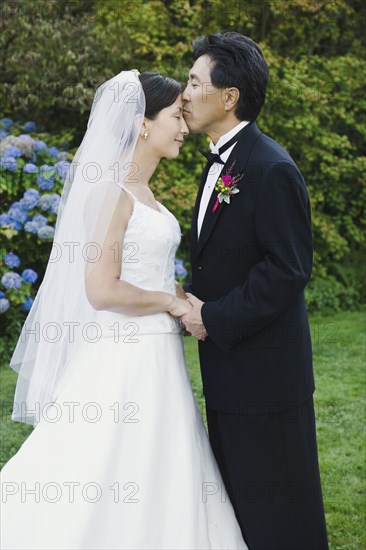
(339,398)
(339,350)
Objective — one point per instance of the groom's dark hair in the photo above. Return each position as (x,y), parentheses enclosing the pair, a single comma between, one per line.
(239,62)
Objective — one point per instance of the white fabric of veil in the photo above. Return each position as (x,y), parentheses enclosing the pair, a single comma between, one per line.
(61,315)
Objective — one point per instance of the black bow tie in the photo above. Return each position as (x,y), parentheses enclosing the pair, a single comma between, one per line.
(214,157)
(211,157)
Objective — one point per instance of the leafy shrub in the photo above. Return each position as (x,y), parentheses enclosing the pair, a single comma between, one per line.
(31,180)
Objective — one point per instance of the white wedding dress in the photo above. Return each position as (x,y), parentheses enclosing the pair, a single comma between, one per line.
(122,460)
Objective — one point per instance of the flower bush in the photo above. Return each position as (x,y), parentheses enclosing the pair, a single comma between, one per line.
(31,180)
(180,271)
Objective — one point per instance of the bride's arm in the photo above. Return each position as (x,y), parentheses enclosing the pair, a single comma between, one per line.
(105,291)
(180,291)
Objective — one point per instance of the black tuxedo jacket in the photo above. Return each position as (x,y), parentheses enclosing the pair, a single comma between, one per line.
(250,266)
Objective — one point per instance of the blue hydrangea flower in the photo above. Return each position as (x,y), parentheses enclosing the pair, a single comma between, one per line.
(30,168)
(3,133)
(63,155)
(31,227)
(47,171)
(25,137)
(45,202)
(30,126)
(17,213)
(12,151)
(45,184)
(11,260)
(55,202)
(30,199)
(180,269)
(6,123)
(25,306)
(53,151)
(62,168)
(40,220)
(2,295)
(39,145)
(4,305)
(46,232)
(9,163)
(31,192)
(45,180)
(11,280)
(29,276)
(4,219)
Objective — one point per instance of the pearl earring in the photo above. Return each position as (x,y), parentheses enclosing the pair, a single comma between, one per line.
(146,134)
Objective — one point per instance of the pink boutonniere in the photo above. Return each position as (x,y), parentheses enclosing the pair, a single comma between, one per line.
(226,186)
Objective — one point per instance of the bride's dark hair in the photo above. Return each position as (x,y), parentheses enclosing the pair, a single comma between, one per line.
(160,92)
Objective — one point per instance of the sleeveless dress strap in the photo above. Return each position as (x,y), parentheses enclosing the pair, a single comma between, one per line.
(128,191)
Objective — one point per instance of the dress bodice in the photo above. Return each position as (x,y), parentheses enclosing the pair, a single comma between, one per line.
(149,247)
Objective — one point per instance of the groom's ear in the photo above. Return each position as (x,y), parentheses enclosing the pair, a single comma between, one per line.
(230,97)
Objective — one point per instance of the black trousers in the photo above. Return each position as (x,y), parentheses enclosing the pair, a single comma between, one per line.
(269,465)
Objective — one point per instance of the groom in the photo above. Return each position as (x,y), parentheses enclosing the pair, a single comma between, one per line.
(251,257)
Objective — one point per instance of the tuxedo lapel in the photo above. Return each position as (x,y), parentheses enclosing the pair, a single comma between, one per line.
(240,153)
(194,234)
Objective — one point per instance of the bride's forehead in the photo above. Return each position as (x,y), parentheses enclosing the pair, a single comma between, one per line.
(178,103)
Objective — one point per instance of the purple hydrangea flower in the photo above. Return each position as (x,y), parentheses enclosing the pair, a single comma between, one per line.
(11,280)
(12,260)
(29,276)
(9,163)
(4,305)
(30,168)
(30,126)
(46,232)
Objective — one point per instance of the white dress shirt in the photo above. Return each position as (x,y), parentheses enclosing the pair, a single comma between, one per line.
(213,174)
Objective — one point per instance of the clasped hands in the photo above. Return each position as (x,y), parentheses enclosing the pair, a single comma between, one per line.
(189,313)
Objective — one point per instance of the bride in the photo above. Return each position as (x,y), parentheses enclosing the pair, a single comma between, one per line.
(119,457)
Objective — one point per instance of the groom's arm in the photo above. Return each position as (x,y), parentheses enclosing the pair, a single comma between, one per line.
(283,229)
